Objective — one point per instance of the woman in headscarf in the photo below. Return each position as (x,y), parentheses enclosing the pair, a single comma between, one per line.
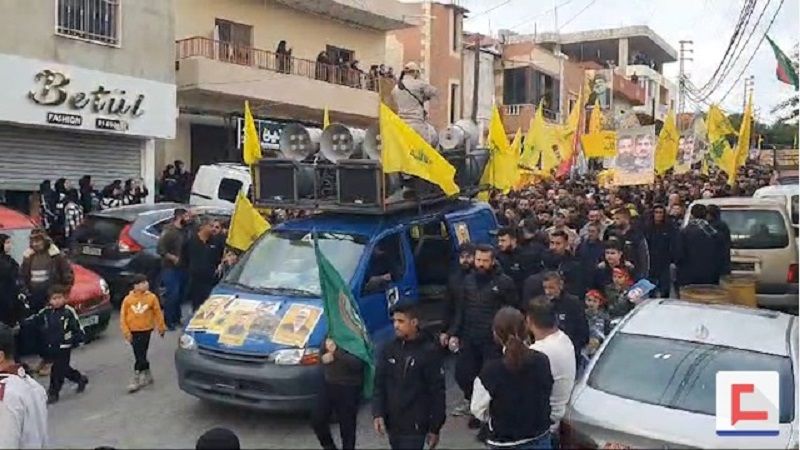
(112,195)
(87,193)
(10,306)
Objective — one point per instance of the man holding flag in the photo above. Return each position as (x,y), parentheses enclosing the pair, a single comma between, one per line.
(348,365)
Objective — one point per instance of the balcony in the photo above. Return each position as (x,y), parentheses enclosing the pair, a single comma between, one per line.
(519,116)
(629,90)
(217,67)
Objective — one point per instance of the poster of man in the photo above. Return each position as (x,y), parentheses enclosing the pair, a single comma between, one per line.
(297,325)
(266,320)
(685,153)
(599,84)
(635,161)
(237,322)
(207,311)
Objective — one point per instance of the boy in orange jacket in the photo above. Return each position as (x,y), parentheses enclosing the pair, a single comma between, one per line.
(139,315)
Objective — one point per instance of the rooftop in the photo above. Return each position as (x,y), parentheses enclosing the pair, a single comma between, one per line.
(592,42)
(384,15)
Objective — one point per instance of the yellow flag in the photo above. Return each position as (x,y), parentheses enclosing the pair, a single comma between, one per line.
(667,147)
(246,224)
(727,162)
(743,144)
(326,118)
(532,152)
(718,124)
(565,134)
(539,142)
(596,117)
(251,150)
(602,144)
(502,170)
(497,133)
(403,150)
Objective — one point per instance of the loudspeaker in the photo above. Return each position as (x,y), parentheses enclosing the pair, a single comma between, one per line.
(339,142)
(298,142)
(275,181)
(359,183)
(459,134)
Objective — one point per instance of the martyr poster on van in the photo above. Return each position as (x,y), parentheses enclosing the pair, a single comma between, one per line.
(297,325)
(236,326)
(209,311)
(635,162)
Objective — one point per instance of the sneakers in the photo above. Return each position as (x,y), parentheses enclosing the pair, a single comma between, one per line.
(52,398)
(82,384)
(135,383)
(462,409)
(146,378)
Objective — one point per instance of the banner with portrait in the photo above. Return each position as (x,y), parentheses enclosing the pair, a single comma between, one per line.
(297,325)
(683,162)
(635,162)
(599,85)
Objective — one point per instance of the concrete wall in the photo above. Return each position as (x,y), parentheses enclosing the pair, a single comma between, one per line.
(27,28)
(486,86)
(304,33)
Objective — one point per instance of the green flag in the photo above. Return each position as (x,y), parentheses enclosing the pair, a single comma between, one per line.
(345,325)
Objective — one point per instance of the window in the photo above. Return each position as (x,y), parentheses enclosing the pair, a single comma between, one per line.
(681,374)
(386,264)
(756,229)
(92,20)
(433,252)
(455,28)
(338,55)
(455,102)
(235,41)
(228,189)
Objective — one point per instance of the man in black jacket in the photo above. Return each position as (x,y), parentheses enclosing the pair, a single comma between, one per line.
(557,258)
(724,234)
(408,403)
(660,233)
(516,261)
(697,252)
(455,285)
(633,240)
(485,291)
(569,311)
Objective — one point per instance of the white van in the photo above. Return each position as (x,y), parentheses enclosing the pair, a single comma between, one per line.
(788,193)
(219,184)
(763,244)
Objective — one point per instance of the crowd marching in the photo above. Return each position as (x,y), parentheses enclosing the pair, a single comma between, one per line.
(523,317)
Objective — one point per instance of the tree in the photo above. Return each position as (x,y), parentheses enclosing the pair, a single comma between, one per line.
(788,110)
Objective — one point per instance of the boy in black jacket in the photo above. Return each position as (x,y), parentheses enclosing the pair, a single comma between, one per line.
(61,331)
(409,398)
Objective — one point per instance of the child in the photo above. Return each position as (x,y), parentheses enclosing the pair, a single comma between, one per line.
(598,318)
(61,331)
(140,313)
(618,303)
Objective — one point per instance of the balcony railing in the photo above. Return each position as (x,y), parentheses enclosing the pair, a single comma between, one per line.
(266,60)
(635,94)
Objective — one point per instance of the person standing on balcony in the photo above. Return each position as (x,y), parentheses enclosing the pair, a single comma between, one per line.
(283,57)
(410,95)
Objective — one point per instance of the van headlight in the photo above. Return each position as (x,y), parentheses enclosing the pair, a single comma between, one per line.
(187,342)
(104,286)
(295,356)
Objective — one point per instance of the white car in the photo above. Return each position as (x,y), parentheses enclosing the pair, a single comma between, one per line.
(652,384)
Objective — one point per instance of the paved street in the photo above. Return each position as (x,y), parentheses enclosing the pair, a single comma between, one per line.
(162,416)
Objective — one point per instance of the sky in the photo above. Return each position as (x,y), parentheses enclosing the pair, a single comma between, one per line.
(709,23)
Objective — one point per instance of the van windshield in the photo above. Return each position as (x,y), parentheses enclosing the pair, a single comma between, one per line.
(756,229)
(283,262)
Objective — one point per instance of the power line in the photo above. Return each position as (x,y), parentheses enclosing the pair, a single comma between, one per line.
(536,16)
(588,5)
(487,11)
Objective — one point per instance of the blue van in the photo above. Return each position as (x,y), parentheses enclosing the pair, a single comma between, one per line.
(255,342)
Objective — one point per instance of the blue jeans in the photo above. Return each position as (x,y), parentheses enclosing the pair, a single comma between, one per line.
(407,441)
(174,282)
(543,442)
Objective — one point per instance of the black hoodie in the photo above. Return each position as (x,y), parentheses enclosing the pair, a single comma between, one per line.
(409,387)
(483,295)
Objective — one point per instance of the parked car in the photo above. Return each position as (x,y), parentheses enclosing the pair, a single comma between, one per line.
(270,361)
(763,244)
(121,242)
(788,193)
(89,295)
(652,384)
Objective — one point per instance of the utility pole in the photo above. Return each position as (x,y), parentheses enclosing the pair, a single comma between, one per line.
(684,51)
(476,43)
(749,82)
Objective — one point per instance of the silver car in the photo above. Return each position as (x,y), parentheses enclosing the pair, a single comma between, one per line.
(652,382)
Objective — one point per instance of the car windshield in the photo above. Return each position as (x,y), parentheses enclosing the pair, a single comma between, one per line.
(20,240)
(284,261)
(756,229)
(680,374)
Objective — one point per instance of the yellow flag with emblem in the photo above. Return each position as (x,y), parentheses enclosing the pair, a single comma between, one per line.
(251,149)
(595,118)
(404,150)
(667,146)
(502,170)
(539,143)
(246,224)
(743,144)
(718,124)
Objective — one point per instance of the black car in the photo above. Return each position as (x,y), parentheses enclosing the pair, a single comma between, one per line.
(118,243)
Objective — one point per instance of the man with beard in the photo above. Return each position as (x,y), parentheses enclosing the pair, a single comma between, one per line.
(569,311)
(515,261)
(560,259)
(455,283)
(486,290)
(660,234)
(633,240)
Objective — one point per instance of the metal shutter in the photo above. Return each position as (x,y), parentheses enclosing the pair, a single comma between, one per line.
(30,155)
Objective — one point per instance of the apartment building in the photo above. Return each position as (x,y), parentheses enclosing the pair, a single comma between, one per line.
(290,58)
(77,99)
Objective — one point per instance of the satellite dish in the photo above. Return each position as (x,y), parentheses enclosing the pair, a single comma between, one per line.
(372,142)
(339,142)
(298,142)
(459,134)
